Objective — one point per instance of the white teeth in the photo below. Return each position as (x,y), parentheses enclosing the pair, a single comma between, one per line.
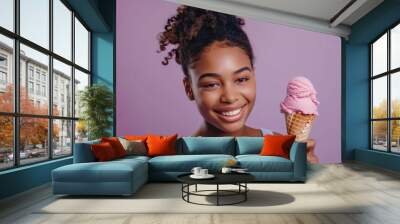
(231,113)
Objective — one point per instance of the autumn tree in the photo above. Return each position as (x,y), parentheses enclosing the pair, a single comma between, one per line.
(33,131)
(380,127)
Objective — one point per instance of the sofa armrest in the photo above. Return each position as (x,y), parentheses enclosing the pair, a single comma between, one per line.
(298,156)
(83,152)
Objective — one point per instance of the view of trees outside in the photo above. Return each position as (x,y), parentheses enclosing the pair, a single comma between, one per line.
(33,131)
(379,128)
(34,79)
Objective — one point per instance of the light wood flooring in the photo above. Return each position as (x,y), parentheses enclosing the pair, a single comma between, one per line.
(378,188)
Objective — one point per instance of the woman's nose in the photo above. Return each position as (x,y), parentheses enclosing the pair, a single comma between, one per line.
(229,94)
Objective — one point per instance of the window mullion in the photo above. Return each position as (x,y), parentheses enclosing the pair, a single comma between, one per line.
(389,101)
(371,137)
(50,79)
(16,84)
(73,82)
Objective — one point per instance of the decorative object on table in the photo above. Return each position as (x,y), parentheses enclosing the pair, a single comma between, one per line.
(226,170)
(96,102)
(196,170)
(200,173)
(237,170)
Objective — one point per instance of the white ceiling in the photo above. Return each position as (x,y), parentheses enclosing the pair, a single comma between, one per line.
(315,15)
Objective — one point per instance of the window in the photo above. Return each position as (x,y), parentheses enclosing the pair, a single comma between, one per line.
(30,72)
(44,91)
(38,74)
(385,91)
(54,126)
(3,78)
(38,89)
(7,14)
(3,61)
(3,72)
(30,87)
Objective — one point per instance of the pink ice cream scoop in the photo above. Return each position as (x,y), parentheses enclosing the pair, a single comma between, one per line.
(301,97)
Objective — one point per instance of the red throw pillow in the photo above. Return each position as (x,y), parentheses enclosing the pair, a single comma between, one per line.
(103,151)
(161,145)
(277,145)
(116,145)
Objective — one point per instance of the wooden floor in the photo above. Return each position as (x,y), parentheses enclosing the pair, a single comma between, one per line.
(378,188)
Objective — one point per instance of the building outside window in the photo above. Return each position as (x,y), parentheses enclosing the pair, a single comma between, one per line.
(43,90)
(37,75)
(34,75)
(385,91)
(30,72)
(30,87)
(3,72)
(3,61)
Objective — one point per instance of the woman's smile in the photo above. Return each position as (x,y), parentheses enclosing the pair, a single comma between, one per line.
(231,115)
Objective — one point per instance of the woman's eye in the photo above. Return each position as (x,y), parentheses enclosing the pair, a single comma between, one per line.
(211,85)
(242,80)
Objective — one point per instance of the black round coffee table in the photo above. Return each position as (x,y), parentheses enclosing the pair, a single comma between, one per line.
(238,179)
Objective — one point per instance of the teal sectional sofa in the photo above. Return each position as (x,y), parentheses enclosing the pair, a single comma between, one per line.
(125,176)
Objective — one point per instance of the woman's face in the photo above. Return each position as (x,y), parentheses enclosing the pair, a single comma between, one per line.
(223,85)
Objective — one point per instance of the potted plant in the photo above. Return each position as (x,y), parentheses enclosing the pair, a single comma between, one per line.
(96,102)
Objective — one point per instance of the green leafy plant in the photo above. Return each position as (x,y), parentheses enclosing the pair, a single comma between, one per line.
(96,102)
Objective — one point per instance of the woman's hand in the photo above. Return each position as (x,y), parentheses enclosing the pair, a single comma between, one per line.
(311,157)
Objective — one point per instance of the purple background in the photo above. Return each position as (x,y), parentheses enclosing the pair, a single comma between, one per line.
(151,97)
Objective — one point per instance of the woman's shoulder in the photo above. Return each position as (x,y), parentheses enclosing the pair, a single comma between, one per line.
(266,131)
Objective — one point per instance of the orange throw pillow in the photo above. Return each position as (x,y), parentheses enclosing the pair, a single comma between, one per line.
(103,151)
(116,145)
(277,145)
(135,137)
(161,145)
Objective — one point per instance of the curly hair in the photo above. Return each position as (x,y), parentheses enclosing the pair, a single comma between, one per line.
(193,29)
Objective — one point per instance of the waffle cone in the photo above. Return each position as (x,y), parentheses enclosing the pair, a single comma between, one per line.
(300,125)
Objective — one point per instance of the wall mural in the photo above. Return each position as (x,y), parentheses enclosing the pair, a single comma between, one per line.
(197,72)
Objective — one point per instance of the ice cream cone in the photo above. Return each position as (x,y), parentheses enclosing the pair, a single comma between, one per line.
(299,124)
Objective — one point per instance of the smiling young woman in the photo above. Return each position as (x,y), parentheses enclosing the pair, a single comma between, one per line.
(217,60)
(223,85)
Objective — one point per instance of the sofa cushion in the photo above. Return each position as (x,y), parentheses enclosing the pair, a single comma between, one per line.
(185,163)
(161,145)
(249,145)
(111,171)
(134,147)
(103,152)
(257,163)
(207,145)
(277,145)
(116,145)
(83,152)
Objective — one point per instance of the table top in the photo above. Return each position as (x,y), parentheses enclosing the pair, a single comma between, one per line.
(220,178)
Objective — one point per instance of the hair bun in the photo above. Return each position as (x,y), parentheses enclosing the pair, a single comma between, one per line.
(192,29)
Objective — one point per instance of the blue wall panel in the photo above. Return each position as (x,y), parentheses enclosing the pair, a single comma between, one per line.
(356,108)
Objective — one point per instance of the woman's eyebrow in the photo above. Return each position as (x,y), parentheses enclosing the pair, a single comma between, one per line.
(215,75)
(242,70)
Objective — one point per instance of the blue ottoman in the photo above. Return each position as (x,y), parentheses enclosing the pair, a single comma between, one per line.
(118,177)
